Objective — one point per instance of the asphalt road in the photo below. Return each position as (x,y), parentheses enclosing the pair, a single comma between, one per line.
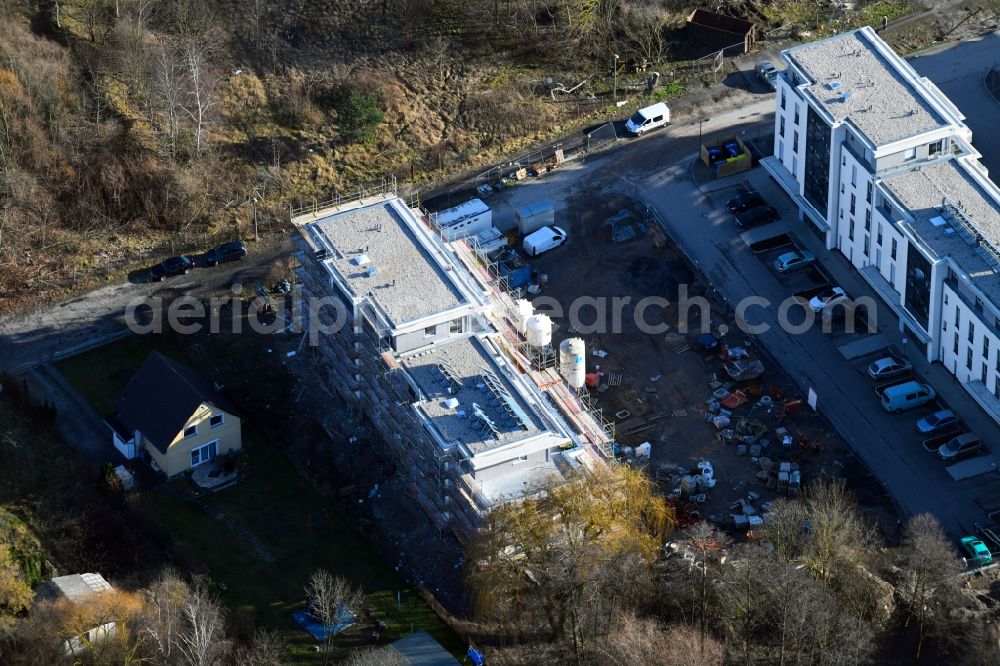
(40,335)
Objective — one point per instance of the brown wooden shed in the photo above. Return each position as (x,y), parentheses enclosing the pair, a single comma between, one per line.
(722,32)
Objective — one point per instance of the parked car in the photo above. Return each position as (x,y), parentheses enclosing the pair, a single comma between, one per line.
(754,216)
(543,240)
(169,267)
(745,201)
(767,72)
(975,551)
(939,421)
(790,261)
(648,118)
(888,367)
(232,251)
(827,299)
(907,395)
(962,446)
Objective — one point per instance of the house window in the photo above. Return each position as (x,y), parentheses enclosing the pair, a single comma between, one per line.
(430,331)
(986,348)
(878,238)
(795,142)
(910,154)
(190,431)
(954,346)
(456,326)
(854,175)
(958,317)
(972,331)
(781,130)
(982,374)
(782,95)
(968,359)
(868,196)
(203,454)
(934,148)
(868,245)
(878,257)
(892,275)
(868,220)
(892,252)
(216,420)
(850,230)
(796,114)
(518,460)
(979,304)
(996,386)
(854,202)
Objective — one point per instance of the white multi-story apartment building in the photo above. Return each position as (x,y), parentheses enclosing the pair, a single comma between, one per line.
(882,168)
(423,351)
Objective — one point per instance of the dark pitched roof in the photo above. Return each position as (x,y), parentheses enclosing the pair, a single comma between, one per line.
(161,397)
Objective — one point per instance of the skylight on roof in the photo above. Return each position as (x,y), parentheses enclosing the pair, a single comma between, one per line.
(937,221)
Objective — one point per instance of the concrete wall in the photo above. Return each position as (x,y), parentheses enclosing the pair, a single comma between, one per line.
(178,456)
(515,466)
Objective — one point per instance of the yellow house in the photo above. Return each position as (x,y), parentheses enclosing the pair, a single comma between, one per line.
(175,416)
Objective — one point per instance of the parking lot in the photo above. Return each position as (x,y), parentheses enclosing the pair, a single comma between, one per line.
(833,363)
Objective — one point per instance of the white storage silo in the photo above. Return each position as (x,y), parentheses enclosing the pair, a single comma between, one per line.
(572,362)
(522,312)
(539,330)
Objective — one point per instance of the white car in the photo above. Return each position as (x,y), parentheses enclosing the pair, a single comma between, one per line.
(827,299)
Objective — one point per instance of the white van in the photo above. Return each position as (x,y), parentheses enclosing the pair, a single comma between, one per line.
(543,240)
(906,396)
(649,118)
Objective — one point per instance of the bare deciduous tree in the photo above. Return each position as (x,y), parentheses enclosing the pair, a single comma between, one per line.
(202,640)
(328,597)
(931,574)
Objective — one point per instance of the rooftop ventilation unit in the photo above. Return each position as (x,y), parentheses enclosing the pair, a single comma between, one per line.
(361,260)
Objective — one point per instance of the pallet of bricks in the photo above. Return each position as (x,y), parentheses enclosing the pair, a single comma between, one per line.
(783,477)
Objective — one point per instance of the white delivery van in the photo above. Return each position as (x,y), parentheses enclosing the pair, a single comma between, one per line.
(906,396)
(649,118)
(543,240)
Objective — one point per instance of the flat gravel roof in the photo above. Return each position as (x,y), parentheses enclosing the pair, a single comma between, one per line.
(379,254)
(885,99)
(466,360)
(923,192)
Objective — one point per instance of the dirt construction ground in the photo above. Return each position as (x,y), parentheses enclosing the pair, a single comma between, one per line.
(657,380)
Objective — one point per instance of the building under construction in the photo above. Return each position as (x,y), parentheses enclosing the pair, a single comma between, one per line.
(427,346)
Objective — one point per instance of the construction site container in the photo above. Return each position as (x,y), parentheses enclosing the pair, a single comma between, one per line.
(534,215)
(573,362)
(468,219)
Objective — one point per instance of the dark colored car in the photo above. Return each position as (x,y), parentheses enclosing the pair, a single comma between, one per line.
(745,201)
(220,254)
(755,216)
(961,447)
(170,267)
(940,421)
